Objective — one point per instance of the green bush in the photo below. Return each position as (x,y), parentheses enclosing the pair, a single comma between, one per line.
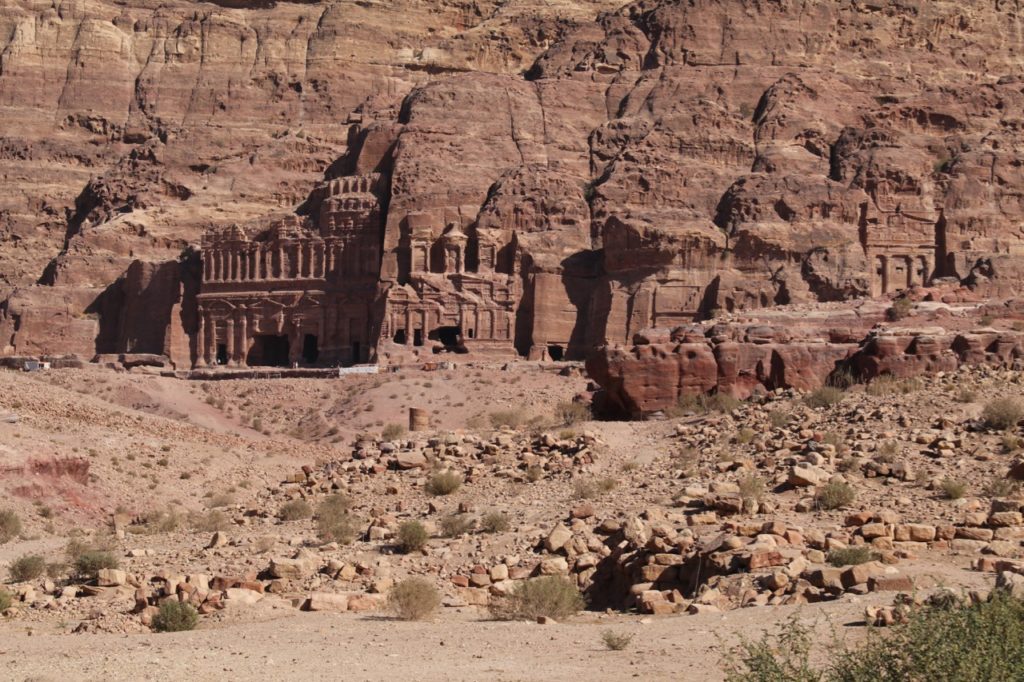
(570,413)
(899,309)
(393,432)
(89,563)
(412,536)
(779,418)
(947,641)
(549,596)
(295,510)
(334,520)
(175,616)
(5,600)
(10,526)
(1002,413)
(835,495)
(443,483)
(494,522)
(414,599)
(454,525)
(511,418)
(752,489)
(616,641)
(851,556)
(953,489)
(593,488)
(27,567)
(826,396)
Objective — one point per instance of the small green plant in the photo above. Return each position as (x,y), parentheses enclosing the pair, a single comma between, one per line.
(966,395)
(5,600)
(412,537)
(835,495)
(175,616)
(295,510)
(454,525)
(1002,487)
(570,413)
(1012,442)
(593,488)
(1002,413)
(414,599)
(616,641)
(27,567)
(720,402)
(494,522)
(549,596)
(900,309)
(10,526)
(510,418)
(745,435)
(534,473)
(393,432)
(443,483)
(209,521)
(752,490)
(952,489)
(779,418)
(851,556)
(89,563)
(826,396)
(334,520)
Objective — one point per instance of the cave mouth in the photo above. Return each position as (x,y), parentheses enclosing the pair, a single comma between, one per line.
(556,352)
(310,348)
(269,350)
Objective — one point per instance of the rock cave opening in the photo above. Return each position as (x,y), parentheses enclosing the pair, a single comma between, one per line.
(556,352)
(310,348)
(399,337)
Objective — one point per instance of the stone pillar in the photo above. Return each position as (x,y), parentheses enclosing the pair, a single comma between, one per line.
(229,340)
(298,260)
(243,339)
(200,360)
(211,344)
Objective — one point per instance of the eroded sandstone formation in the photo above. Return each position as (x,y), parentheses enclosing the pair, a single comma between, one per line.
(544,182)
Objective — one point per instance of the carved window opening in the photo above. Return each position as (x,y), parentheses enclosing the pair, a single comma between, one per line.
(417,337)
(310,348)
(400,337)
(556,352)
(448,336)
(222,353)
(356,352)
(469,333)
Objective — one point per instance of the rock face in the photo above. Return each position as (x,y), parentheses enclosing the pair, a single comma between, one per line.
(538,182)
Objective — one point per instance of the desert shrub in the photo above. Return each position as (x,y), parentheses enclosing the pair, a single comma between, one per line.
(899,309)
(295,510)
(834,495)
(175,616)
(826,396)
(570,413)
(414,599)
(55,570)
(720,402)
(159,521)
(5,600)
(455,525)
(616,641)
(335,521)
(220,500)
(10,526)
(494,522)
(851,556)
(745,435)
(779,418)
(550,596)
(945,641)
(888,385)
(687,461)
(966,395)
(952,489)
(443,483)
(1012,442)
(886,452)
(265,543)
(593,488)
(752,489)
(1001,487)
(511,418)
(27,567)
(91,561)
(209,521)
(1002,413)
(412,537)
(393,431)
(534,473)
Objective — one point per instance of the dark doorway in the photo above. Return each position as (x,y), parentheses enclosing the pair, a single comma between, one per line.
(269,350)
(310,350)
(470,333)
(417,337)
(556,352)
(449,336)
(400,336)
(356,350)
(222,353)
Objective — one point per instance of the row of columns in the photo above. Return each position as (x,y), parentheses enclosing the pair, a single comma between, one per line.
(917,270)
(497,325)
(303,260)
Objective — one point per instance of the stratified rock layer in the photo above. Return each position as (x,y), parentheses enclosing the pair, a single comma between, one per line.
(548,181)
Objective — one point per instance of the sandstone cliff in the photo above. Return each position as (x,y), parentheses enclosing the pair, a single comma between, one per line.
(638,166)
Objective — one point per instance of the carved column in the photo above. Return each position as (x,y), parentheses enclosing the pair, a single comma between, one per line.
(279,270)
(243,337)
(229,339)
(211,346)
(298,260)
(200,360)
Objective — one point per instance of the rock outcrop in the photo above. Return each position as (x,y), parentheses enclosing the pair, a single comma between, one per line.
(549,182)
